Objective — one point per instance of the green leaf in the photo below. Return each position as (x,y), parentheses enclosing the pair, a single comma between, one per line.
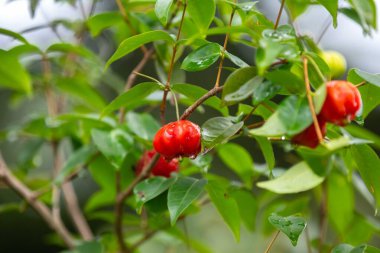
(202,12)
(113,145)
(134,42)
(202,58)
(332,7)
(366,11)
(238,160)
(151,188)
(13,35)
(297,7)
(346,248)
(24,49)
(78,158)
(240,85)
(291,226)
(289,81)
(225,205)
(131,96)
(18,78)
(340,202)
(368,165)
(342,248)
(70,48)
(370,92)
(218,130)
(267,150)
(248,207)
(363,133)
(264,91)
(195,92)
(162,9)
(143,125)
(361,229)
(298,178)
(181,194)
(97,23)
(79,87)
(236,60)
(87,247)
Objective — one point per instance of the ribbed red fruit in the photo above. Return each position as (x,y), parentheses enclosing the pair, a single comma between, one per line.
(343,102)
(178,139)
(162,168)
(309,137)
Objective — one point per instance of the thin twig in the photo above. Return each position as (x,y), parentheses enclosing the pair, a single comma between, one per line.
(307,237)
(310,100)
(326,26)
(220,67)
(145,238)
(121,197)
(360,84)
(132,78)
(271,242)
(171,66)
(279,14)
(9,179)
(200,101)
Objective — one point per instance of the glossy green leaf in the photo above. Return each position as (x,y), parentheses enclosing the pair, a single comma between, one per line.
(291,226)
(18,78)
(248,207)
(264,91)
(298,178)
(97,23)
(332,7)
(240,85)
(82,91)
(226,205)
(364,134)
(289,81)
(346,248)
(342,248)
(143,125)
(368,164)
(87,247)
(13,35)
(238,160)
(218,130)
(181,194)
(135,94)
(114,145)
(70,48)
(151,188)
(24,49)
(297,7)
(78,158)
(202,58)
(236,60)
(162,10)
(136,41)
(202,12)
(340,202)
(267,150)
(194,92)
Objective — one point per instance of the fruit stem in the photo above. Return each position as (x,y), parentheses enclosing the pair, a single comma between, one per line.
(361,84)
(272,242)
(310,100)
(220,67)
(176,104)
(279,14)
(171,67)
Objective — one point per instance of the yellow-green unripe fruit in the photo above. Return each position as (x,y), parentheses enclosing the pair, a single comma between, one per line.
(336,62)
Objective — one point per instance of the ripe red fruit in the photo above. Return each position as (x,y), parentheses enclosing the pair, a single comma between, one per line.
(309,137)
(162,168)
(178,139)
(342,103)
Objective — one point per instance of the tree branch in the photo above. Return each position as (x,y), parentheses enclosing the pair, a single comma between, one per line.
(15,184)
(200,101)
(310,100)
(272,241)
(171,67)
(279,14)
(120,198)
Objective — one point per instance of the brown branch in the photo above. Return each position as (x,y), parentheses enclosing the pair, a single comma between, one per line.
(132,78)
(272,241)
(171,67)
(146,237)
(24,192)
(200,101)
(121,197)
(220,67)
(279,14)
(310,100)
